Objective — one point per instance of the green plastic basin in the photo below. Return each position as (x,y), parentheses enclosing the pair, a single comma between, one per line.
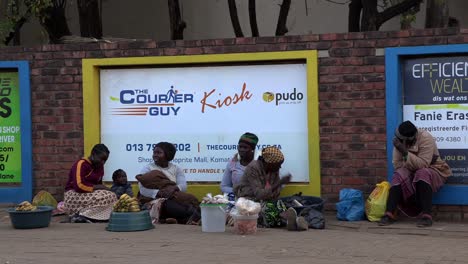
(31,219)
(131,221)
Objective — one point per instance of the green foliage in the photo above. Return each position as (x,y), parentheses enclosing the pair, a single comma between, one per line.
(5,28)
(39,8)
(7,25)
(406,18)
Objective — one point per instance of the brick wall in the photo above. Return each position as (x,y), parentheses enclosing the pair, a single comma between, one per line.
(351,84)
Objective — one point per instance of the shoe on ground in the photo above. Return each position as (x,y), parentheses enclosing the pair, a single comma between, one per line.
(302,224)
(194,219)
(79,219)
(171,221)
(291,217)
(424,222)
(386,220)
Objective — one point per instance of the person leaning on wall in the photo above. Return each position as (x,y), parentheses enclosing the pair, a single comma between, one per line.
(236,166)
(419,172)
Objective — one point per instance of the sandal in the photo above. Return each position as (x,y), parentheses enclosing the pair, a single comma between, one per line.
(386,220)
(425,221)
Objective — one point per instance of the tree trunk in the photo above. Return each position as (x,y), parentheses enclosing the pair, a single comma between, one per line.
(369,15)
(281,28)
(437,14)
(90,18)
(354,16)
(177,25)
(453,22)
(19,24)
(235,19)
(253,18)
(56,23)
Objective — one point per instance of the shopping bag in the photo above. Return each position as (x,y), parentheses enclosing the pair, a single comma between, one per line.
(351,205)
(44,198)
(377,201)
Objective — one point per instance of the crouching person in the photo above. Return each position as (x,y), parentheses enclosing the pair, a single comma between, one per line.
(419,172)
(261,183)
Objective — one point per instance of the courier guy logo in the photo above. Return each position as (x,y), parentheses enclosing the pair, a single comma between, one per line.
(142,102)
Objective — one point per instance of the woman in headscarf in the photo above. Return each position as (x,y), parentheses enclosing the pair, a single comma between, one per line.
(419,172)
(261,182)
(236,166)
(85,195)
(162,189)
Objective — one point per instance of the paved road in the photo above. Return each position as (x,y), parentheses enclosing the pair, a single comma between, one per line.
(339,243)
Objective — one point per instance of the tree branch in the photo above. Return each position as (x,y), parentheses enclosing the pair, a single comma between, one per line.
(253,18)
(15,30)
(396,10)
(281,28)
(235,19)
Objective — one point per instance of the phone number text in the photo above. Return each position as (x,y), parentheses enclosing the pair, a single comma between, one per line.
(150,147)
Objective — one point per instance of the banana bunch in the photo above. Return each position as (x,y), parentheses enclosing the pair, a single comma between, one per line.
(126,204)
(25,206)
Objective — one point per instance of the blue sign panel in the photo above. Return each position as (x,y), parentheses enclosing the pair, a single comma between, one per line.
(428,85)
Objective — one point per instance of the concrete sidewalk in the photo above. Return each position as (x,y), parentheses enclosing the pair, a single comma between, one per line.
(405,226)
(340,242)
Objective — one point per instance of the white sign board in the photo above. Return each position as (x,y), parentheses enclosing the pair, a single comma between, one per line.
(204,111)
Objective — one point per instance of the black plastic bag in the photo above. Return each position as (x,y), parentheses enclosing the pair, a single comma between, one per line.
(313,217)
(306,202)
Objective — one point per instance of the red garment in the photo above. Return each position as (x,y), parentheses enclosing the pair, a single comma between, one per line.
(407,180)
(83,176)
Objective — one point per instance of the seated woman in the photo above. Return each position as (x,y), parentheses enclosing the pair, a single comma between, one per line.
(235,168)
(85,195)
(162,189)
(419,172)
(261,183)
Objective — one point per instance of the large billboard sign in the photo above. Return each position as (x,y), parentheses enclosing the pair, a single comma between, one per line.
(203,104)
(428,85)
(203,111)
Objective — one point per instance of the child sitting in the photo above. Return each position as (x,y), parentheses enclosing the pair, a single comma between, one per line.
(120,184)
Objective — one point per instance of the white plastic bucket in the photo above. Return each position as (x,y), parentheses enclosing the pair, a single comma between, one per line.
(213,217)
